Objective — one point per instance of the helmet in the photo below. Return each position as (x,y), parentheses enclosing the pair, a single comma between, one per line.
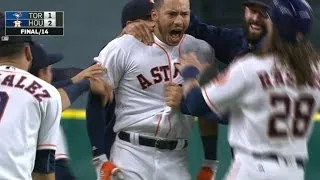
(291,17)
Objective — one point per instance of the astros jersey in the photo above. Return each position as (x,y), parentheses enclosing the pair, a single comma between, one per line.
(269,113)
(29,120)
(138,73)
(62,148)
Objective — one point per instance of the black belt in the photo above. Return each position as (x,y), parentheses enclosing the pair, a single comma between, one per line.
(157,143)
(300,162)
(274,157)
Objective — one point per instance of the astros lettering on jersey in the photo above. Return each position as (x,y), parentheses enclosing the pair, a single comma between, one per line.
(138,74)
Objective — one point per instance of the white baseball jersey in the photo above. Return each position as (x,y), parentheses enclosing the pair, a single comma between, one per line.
(62,147)
(30,112)
(269,114)
(138,73)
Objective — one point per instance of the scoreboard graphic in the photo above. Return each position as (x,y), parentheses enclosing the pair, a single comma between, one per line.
(34,23)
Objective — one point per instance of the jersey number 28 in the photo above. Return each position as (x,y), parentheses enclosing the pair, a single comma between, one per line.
(287,110)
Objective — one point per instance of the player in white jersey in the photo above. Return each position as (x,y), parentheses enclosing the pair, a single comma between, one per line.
(272,94)
(30,115)
(69,89)
(152,137)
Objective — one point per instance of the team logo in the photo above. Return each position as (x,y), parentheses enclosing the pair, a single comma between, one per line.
(17,23)
(17,15)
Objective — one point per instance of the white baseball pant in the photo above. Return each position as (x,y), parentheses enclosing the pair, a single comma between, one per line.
(138,162)
(246,167)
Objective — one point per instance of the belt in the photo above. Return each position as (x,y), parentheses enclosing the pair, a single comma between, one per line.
(271,156)
(151,142)
(274,157)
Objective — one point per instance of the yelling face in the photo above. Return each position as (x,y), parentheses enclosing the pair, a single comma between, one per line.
(255,22)
(172,20)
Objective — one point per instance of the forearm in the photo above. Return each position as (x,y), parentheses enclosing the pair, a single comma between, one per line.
(110,135)
(96,123)
(64,99)
(61,84)
(44,168)
(73,91)
(195,103)
(225,41)
(38,176)
(209,137)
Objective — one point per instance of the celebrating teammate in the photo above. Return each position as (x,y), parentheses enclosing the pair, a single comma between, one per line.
(69,89)
(272,93)
(100,128)
(154,134)
(100,120)
(30,114)
(227,43)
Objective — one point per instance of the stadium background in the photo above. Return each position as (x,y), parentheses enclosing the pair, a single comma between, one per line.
(89,25)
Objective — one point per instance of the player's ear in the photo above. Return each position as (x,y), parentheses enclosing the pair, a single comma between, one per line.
(155,15)
(128,22)
(27,53)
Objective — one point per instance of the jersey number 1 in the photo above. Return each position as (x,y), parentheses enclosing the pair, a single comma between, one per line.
(298,112)
(3,102)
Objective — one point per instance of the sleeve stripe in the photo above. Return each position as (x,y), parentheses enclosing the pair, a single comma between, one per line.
(209,102)
(46,146)
(62,156)
(41,145)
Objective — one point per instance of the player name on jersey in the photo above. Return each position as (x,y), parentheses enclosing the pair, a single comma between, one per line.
(40,23)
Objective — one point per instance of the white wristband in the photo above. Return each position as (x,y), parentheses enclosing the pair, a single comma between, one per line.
(98,160)
(213,164)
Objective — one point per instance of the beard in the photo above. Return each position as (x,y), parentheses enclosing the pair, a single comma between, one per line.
(254,37)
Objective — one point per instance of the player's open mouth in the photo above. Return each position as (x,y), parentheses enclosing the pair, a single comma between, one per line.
(176,35)
(255,28)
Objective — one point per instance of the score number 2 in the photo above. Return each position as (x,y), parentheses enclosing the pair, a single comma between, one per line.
(4,98)
(298,112)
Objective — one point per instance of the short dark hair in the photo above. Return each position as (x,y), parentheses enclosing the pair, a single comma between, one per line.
(157,4)
(11,49)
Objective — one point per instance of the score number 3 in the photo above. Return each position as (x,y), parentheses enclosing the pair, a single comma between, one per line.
(298,111)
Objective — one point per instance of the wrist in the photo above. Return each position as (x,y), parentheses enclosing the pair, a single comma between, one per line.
(75,79)
(213,164)
(99,160)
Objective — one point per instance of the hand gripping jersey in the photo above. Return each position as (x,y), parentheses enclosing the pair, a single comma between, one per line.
(138,74)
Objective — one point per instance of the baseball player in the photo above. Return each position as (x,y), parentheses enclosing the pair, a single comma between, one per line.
(100,131)
(151,137)
(30,114)
(227,43)
(69,89)
(273,94)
